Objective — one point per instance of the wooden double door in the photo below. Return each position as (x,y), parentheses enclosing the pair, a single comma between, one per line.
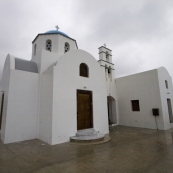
(84,110)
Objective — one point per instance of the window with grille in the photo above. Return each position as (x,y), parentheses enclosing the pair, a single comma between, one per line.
(66,47)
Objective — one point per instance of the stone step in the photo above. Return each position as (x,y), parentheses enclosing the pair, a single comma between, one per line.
(86,132)
(87,135)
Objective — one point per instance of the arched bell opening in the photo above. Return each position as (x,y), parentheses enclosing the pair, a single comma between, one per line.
(49,45)
(112,115)
(107,56)
(66,47)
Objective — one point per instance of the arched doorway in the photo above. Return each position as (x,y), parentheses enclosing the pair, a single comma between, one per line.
(112,115)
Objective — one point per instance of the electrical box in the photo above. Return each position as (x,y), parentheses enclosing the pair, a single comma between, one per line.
(155,112)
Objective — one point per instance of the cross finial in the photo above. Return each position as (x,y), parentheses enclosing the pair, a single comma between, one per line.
(104,45)
(57,27)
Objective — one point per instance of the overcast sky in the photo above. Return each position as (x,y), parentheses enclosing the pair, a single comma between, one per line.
(139,32)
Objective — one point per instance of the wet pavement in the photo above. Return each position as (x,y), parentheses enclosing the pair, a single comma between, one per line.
(131,150)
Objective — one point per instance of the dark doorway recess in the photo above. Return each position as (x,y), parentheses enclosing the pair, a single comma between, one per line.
(111,105)
(2,104)
(170,110)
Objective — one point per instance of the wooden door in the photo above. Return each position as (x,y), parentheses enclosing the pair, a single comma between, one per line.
(84,110)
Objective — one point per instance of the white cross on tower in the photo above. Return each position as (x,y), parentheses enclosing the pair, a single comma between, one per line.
(57,27)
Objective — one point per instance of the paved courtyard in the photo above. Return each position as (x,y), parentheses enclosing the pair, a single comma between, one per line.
(131,150)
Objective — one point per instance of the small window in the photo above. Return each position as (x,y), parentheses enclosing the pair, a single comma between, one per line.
(35,47)
(83,70)
(166,84)
(135,105)
(49,45)
(66,47)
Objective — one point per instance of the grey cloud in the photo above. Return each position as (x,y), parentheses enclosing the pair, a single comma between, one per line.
(120,23)
(138,31)
(144,23)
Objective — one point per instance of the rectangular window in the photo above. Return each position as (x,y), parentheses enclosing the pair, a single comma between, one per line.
(170,110)
(166,84)
(135,105)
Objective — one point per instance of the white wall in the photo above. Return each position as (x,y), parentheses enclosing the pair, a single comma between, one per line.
(46,105)
(165,94)
(21,116)
(145,88)
(44,59)
(5,88)
(66,82)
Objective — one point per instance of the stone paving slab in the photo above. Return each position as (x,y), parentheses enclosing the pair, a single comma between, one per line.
(131,150)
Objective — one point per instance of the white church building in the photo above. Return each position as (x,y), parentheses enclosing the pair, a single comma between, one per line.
(63,90)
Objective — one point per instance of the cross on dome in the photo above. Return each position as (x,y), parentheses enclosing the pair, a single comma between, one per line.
(57,27)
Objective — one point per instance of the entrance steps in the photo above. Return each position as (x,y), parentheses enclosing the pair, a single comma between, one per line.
(87,136)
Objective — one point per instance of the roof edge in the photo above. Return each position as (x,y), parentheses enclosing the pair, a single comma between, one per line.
(55,34)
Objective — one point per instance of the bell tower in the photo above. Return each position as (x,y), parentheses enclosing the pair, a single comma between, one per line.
(105,61)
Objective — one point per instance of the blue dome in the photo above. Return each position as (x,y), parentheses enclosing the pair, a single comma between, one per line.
(56,32)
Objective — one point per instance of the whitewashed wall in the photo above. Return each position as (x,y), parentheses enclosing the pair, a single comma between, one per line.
(145,88)
(46,106)
(21,116)
(165,94)
(66,82)
(5,88)
(44,59)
